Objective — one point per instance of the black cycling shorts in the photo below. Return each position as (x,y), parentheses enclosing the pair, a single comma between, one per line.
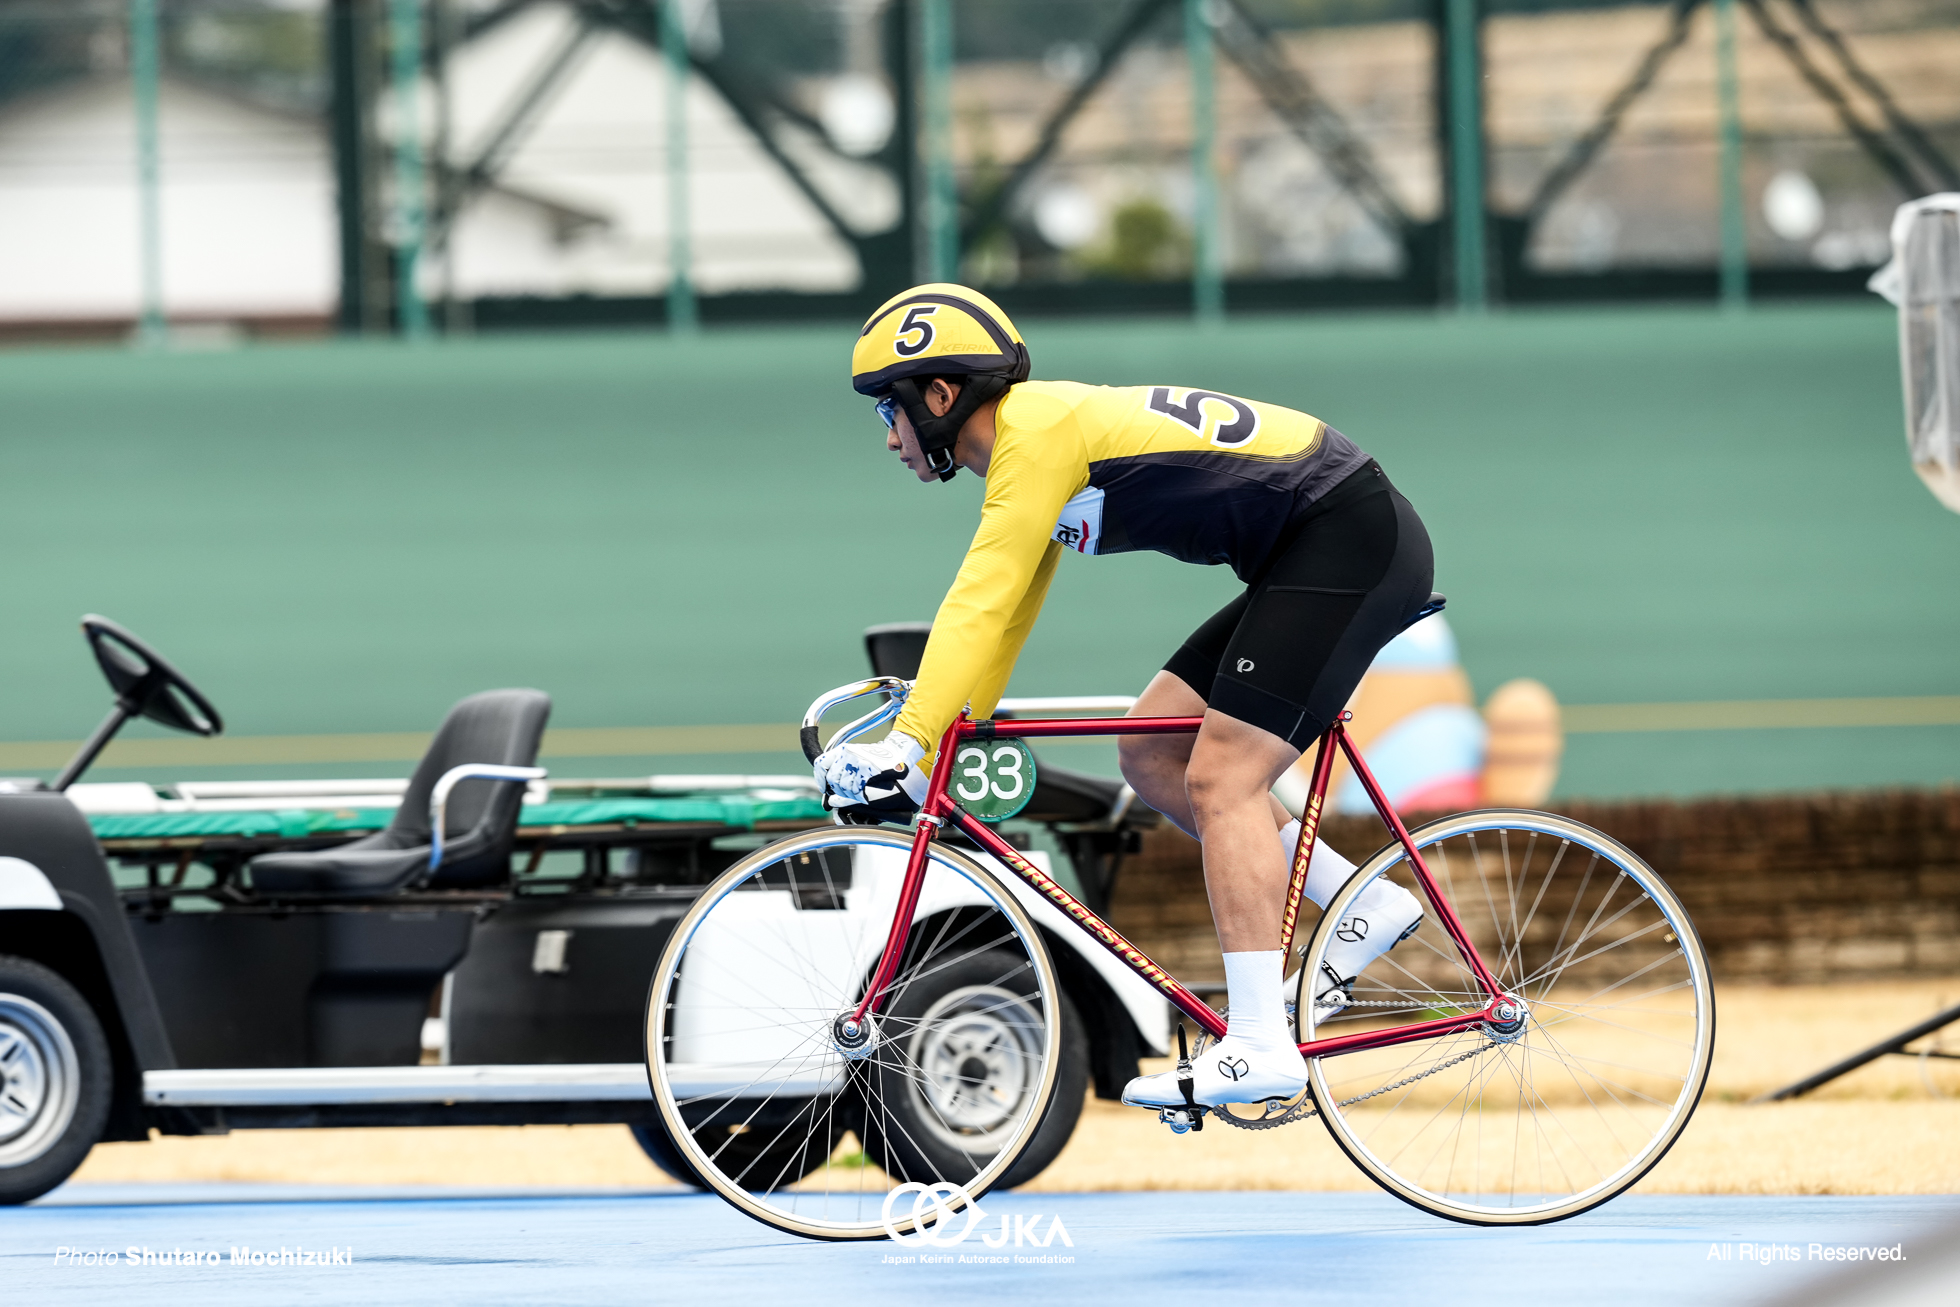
(1345,578)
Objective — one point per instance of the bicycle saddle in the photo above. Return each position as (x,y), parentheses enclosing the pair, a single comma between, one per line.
(1430,609)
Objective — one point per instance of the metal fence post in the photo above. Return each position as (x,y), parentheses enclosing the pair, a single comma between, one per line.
(682,314)
(941,207)
(143,62)
(1735,235)
(1466,110)
(1207,257)
(405,65)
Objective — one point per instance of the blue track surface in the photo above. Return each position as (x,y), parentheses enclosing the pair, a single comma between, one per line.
(531,1246)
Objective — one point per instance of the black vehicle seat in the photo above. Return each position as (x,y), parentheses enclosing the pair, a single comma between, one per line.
(1061,794)
(497,726)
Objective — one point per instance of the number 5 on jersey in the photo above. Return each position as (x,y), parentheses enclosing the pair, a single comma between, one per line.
(992,780)
(1231,421)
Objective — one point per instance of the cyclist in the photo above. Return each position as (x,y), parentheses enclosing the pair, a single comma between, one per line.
(1334,562)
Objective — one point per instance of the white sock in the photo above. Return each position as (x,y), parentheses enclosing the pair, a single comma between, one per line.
(1258,1009)
(1325,874)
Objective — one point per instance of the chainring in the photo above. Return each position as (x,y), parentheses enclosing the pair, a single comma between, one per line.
(1273,1111)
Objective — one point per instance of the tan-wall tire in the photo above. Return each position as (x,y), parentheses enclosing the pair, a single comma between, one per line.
(1670,919)
(999,898)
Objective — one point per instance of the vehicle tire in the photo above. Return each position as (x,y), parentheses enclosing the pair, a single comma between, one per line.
(659,1148)
(1064,1108)
(747,1151)
(1589,1081)
(961,1078)
(55,1079)
(750,1033)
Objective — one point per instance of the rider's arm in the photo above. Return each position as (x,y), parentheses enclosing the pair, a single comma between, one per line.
(986,615)
(987,693)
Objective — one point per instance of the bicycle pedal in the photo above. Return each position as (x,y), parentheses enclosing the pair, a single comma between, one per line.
(1182,1120)
(1193,1114)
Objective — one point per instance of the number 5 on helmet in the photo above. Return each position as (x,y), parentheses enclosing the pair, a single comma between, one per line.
(938,330)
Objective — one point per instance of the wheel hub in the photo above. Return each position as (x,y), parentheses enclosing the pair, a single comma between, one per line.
(23,1080)
(973,1072)
(1507,1020)
(974,1063)
(856,1038)
(40,1080)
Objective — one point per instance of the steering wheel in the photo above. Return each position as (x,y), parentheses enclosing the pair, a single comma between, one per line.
(145,683)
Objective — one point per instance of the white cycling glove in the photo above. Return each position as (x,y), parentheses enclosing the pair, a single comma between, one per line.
(869,783)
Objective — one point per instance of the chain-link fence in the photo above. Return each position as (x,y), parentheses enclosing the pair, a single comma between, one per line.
(522,161)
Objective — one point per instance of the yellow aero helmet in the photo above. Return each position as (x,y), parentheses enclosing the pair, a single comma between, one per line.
(938,330)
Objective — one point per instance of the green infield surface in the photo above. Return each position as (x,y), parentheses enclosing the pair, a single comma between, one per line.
(336,541)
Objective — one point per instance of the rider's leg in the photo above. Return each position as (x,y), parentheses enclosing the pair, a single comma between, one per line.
(1232,769)
(1228,784)
(1155,765)
(1275,667)
(1384,915)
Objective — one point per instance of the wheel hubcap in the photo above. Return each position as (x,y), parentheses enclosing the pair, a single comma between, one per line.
(976,1062)
(39,1080)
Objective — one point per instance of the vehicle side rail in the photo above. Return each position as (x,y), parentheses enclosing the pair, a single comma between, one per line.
(550,1083)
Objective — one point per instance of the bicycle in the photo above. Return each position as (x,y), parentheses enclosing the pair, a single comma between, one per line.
(926,1020)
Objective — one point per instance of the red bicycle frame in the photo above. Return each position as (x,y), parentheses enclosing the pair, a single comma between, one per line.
(939,809)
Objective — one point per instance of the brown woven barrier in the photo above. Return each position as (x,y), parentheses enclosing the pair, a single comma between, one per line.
(1788,889)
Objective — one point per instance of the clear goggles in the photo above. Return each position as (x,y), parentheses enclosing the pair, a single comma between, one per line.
(888,411)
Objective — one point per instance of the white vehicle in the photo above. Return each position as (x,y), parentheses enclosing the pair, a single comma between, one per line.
(470,945)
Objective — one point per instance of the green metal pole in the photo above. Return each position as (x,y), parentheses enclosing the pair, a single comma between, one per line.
(1735,235)
(405,47)
(942,211)
(682,314)
(1207,255)
(1466,110)
(144,45)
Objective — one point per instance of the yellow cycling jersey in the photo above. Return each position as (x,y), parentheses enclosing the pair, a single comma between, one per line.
(1204,477)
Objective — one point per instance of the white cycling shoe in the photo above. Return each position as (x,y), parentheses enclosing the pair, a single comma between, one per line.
(1227,1072)
(1384,916)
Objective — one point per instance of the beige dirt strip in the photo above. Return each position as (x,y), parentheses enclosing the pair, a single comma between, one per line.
(1891,1128)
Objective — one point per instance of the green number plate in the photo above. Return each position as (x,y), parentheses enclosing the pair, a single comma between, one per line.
(992,779)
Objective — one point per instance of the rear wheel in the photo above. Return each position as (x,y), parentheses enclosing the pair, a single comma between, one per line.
(54,1079)
(770,1097)
(1583,1090)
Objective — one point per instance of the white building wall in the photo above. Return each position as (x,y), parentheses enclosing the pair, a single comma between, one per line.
(247,194)
(246,199)
(600,146)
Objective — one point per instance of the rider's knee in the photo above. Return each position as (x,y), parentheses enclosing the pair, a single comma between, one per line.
(1217,784)
(1141,759)
(1209,793)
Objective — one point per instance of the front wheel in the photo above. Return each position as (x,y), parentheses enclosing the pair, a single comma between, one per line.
(54,1079)
(772,1099)
(1590,1082)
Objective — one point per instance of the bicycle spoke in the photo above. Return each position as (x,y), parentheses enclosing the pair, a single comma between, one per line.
(755,989)
(1563,1109)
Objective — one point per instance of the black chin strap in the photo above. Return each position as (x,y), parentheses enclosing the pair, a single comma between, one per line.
(937,434)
